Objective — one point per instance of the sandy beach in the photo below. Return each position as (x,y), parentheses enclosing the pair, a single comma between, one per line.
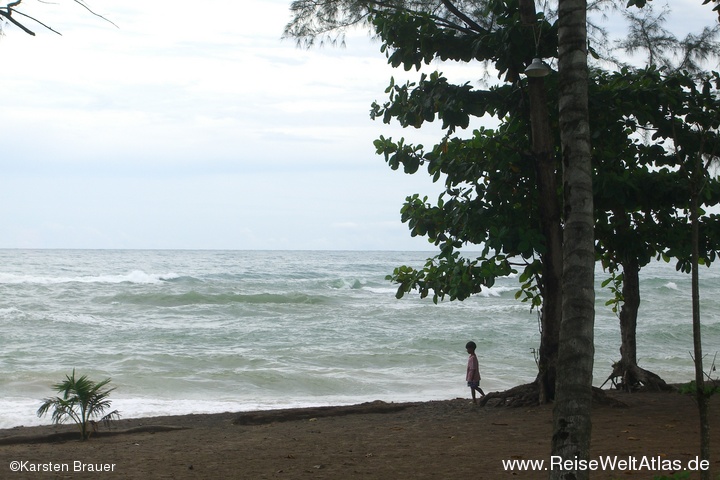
(430,440)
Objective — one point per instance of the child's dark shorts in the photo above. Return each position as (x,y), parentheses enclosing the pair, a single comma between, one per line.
(473,384)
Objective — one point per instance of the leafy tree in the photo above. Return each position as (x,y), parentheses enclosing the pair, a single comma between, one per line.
(492,179)
(629,194)
(485,176)
(82,400)
(639,189)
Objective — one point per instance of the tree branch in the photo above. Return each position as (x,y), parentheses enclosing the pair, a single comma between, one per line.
(36,21)
(82,4)
(7,12)
(470,22)
(8,15)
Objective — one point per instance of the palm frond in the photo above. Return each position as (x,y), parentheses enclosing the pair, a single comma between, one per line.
(81,400)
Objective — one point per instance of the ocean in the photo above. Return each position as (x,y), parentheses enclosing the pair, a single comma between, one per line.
(212,331)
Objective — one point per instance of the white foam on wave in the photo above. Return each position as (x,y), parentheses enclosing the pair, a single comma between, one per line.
(20,412)
(381,290)
(496,291)
(136,276)
(671,286)
(486,292)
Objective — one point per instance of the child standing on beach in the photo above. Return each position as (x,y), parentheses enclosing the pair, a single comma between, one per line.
(473,371)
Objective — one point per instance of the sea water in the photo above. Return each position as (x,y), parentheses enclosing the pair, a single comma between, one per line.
(211,331)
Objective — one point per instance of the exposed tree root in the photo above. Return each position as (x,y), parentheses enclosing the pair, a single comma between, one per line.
(631,378)
(528,395)
(520,396)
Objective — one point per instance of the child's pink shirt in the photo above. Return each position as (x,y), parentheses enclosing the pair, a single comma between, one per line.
(473,369)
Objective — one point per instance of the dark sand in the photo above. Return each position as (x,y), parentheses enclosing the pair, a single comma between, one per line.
(433,440)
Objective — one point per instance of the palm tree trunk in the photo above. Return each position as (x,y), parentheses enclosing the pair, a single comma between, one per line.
(573,394)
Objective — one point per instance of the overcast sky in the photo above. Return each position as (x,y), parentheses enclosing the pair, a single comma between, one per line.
(193,125)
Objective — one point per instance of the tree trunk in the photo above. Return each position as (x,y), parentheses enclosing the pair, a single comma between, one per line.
(700,395)
(627,368)
(573,394)
(629,311)
(550,216)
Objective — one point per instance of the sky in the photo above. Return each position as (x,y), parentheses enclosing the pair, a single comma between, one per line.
(195,126)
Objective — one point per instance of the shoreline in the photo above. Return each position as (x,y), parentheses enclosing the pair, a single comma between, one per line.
(434,439)
(295,412)
(68,431)
(259,409)
(616,399)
